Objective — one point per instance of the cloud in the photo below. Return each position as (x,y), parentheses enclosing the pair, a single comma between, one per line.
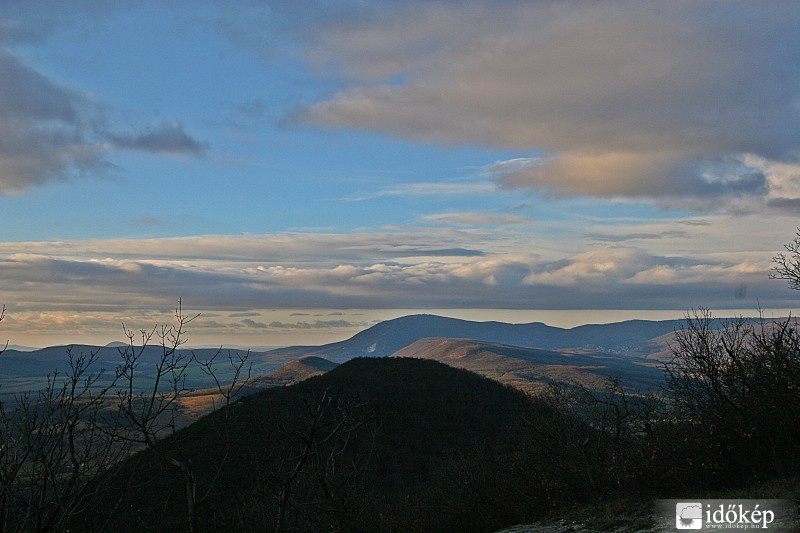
(165,138)
(623,237)
(593,268)
(645,100)
(787,204)
(317,324)
(43,130)
(51,132)
(638,175)
(427,189)
(253,324)
(477,219)
(328,248)
(589,279)
(242,277)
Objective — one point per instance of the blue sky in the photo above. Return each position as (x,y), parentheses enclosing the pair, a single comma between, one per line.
(296,171)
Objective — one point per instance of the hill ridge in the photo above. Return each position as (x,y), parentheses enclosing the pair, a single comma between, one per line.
(633,337)
(418,418)
(529,369)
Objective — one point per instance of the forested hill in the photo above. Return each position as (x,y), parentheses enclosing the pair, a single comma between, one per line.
(393,441)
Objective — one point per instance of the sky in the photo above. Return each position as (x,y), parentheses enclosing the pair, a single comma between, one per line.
(296,171)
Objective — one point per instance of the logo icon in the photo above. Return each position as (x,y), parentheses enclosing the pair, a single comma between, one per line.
(689,515)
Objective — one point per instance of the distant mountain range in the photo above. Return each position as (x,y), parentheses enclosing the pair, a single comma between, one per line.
(619,348)
(18,348)
(521,355)
(633,337)
(527,369)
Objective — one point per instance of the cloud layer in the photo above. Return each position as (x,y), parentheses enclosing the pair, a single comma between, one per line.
(368,271)
(623,99)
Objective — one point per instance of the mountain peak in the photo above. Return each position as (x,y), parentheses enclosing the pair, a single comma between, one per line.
(385,338)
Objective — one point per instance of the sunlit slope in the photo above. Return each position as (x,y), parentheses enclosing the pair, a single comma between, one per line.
(529,369)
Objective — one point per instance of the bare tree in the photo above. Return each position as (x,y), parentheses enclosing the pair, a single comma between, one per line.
(55,446)
(787,267)
(61,445)
(152,412)
(230,389)
(2,316)
(735,391)
(556,430)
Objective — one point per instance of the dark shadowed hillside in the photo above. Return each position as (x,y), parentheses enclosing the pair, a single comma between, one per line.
(529,369)
(421,431)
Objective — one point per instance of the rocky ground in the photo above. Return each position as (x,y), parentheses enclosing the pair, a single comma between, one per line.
(567,526)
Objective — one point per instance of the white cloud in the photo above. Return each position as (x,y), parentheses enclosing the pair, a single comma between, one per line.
(594,268)
(685,274)
(642,100)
